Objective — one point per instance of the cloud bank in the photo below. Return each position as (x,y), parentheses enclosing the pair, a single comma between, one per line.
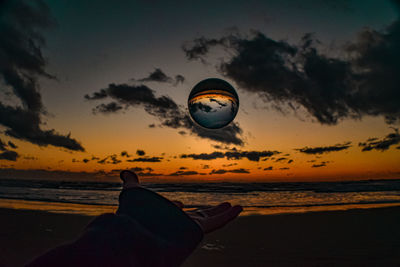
(165,109)
(364,81)
(21,64)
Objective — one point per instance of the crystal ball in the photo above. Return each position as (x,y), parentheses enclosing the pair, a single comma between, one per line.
(213,103)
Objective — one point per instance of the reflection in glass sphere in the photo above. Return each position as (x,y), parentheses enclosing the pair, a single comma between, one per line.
(213,103)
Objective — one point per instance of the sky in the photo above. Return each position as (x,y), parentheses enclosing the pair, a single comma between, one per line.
(91,88)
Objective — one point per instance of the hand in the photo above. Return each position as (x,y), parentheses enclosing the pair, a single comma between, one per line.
(209,219)
(213,218)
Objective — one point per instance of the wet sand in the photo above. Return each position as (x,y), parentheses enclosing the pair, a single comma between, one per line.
(368,237)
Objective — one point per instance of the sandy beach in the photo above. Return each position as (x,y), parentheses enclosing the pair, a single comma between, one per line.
(369,237)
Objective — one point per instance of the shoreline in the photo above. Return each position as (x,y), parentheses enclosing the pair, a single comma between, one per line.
(97,209)
(357,237)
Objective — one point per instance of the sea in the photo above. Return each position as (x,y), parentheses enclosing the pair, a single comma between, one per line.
(94,198)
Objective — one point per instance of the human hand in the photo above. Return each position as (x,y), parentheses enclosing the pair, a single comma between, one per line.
(209,219)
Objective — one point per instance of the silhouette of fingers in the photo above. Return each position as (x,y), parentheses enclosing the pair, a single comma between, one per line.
(208,212)
(213,223)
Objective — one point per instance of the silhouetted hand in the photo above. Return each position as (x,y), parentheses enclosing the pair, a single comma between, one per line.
(209,219)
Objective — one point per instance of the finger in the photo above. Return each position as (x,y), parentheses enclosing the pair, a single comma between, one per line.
(216,209)
(178,203)
(213,223)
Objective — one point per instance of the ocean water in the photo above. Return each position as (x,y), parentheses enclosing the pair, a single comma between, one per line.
(256,198)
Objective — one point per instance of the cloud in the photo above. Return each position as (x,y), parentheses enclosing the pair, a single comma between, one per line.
(9,155)
(364,80)
(125,154)
(111,159)
(165,109)
(57,175)
(268,168)
(222,171)
(236,155)
(183,173)
(21,65)
(281,159)
(225,148)
(382,144)
(323,164)
(12,145)
(229,165)
(109,108)
(159,76)
(146,159)
(3,146)
(324,149)
(285,168)
(140,152)
(134,169)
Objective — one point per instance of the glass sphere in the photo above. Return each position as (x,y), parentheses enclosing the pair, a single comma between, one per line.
(213,103)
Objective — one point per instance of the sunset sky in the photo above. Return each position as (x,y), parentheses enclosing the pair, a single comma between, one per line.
(89,88)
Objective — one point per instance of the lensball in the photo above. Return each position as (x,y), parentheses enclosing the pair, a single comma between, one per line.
(213,103)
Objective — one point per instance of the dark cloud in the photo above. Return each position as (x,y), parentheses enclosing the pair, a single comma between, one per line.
(159,76)
(140,152)
(179,79)
(166,110)
(324,149)
(85,160)
(111,159)
(3,146)
(229,165)
(268,168)
(290,161)
(183,168)
(146,159)
(222,171)
(363,80)
(225,148)
(9,155)
(382,144)
(12,145)
(152,125)
(135,169)
(125,154)
(109,108)
(21,65)
(232,155)
(281,159)
(318,165)
(321,164)
(284,168)
(204,156)
(183,173)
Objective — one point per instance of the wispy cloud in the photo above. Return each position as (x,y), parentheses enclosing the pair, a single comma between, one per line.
(324,149)
(383,144)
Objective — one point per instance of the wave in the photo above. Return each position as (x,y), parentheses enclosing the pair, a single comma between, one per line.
(218,187)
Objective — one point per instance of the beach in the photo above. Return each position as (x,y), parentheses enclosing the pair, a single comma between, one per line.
(357,237)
